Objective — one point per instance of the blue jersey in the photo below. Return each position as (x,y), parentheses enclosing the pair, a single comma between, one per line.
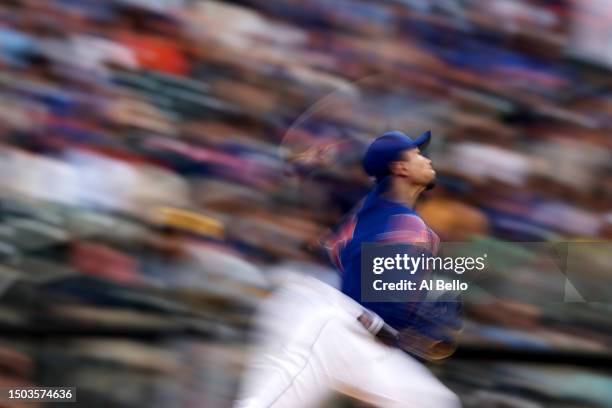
(383,221)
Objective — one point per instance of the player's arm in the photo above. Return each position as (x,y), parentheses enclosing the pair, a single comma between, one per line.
(435,325)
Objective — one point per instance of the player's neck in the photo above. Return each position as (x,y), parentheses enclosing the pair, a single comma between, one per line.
(403,193)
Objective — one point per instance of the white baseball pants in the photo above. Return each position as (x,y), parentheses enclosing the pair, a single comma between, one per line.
(312,345)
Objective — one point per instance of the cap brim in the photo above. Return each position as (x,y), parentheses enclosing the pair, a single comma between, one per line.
(423,140)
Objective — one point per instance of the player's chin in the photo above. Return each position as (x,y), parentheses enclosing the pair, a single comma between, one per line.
(431,183)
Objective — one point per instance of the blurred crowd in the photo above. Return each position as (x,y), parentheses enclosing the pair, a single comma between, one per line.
(207,146)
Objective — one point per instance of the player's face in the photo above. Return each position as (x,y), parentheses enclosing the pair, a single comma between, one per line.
(416,168)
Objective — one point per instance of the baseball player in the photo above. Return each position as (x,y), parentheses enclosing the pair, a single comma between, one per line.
(317,339)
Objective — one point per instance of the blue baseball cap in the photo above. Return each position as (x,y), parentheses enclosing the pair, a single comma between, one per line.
(386,149)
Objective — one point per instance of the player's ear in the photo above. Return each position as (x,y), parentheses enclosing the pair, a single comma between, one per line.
(399,168)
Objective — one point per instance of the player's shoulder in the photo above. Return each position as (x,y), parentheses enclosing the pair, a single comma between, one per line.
(391,221)
(410,229)
(405,221)
(405,227)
